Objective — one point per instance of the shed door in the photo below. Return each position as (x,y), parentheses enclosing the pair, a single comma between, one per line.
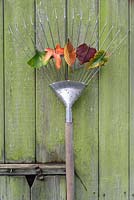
(32,154)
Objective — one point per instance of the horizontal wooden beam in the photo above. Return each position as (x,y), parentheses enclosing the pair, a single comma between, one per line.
(32,169)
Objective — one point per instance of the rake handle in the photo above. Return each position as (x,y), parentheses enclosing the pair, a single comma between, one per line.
(69,160)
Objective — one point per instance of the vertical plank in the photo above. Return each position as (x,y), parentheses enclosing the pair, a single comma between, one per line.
(131,99)
(19,85)
(14,188)
(85,111)
(50,111)
(51,188)
(1,86)
(113,107)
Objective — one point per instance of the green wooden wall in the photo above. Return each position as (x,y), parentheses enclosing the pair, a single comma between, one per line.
(32,118)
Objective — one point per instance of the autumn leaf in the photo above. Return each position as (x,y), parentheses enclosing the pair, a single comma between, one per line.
(69,53)
(37,60)
(84,53)
(54,53)
(100,59)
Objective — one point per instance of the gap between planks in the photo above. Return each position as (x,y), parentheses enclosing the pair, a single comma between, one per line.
(32,169)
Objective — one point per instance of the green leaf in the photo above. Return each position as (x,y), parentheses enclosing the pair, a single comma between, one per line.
(38,60)
(98,60)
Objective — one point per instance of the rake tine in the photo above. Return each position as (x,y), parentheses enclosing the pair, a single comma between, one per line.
(101,34)
(114,38)
(22,38)
(72,25)
(79,29)
(83,73)
(66,36)
(87,30)
(21,44)
(43,30)
(41,42)
(58,30)
(119,44)
(36,33)
(96,71)
(85,79)
(107,36)
(46,41)
(24,23)
(72,32)
(88,74)
(47,75)
(50,30)
(95,26)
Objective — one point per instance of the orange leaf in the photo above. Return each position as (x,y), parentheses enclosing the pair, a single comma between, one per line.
(57,60)
(59,50)
(69,53)
(48,54)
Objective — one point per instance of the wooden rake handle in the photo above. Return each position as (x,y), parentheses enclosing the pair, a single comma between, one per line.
(69,160)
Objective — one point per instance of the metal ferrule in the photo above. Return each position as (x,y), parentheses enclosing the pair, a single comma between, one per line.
(68,114)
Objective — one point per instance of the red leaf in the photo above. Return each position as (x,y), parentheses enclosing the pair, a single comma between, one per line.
(84,53)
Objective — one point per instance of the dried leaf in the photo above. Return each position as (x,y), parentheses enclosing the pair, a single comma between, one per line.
(69,53)
(84,53)
(100,59)
(55,53)
(37,60)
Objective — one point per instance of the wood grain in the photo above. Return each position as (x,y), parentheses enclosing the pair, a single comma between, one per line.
(32,169)
(113,106)
(85,110)
(19,85)
(131,100)
(1,87)
(14,188)
(52,187)
(50,113)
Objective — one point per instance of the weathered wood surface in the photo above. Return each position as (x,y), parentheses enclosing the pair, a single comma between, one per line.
(1,87)
(34,115)
(50,112)
(131,89)
(52,187)
(113,108)
(19,85)
(14,188)
(32,169)
(85,110)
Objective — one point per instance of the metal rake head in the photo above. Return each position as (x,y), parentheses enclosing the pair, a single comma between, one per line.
(68,92)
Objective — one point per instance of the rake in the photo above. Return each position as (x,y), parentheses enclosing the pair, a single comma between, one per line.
(67,84)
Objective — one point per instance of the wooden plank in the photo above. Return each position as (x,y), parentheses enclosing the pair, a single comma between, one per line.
(19,85)
(52,187)
(50,112)
(85,110)
(32,169)
(1,87)
(131,99)
(14,188)
(113,106)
